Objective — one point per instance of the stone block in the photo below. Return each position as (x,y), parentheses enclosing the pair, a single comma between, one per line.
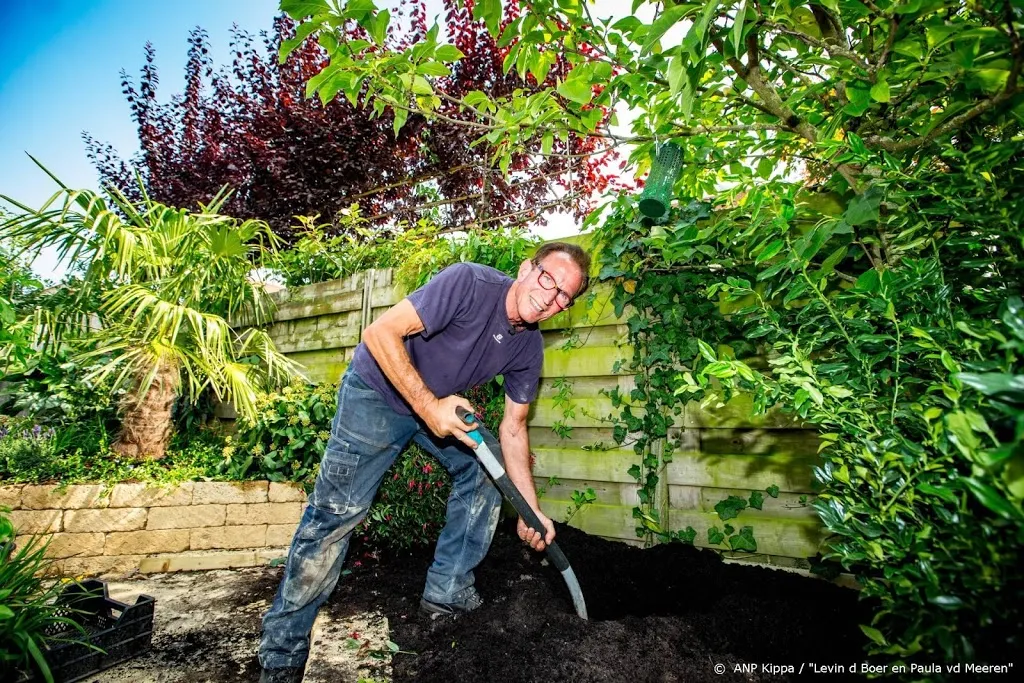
(68,498)
(109,519)
(10,496)
(280,534)
(264,513)
(228,537)
(35,521)
(268,555)
(198,561)
(186,517)
(222,492)
(283,492)
(101,566)
(145,542)
(146,495)
(69,545)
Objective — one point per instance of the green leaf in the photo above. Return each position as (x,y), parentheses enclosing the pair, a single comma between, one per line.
(675,74)
(868,281)
(737,29)
(730,507)
(940,491)
(715,536)
(756,500)
(769,251)
(433,69)
(874,634)
(946,601)
(547,142)
(706,351)
(448,53)
(720,369)
(575,90)
(380,26)
(301,33)
(880,91)
(662,24)
(420,86)
(401,115)
(744,540)
(864,207)
(994,383)
(992,499)
(1013,316)
(300,9)
(773,491)
(490,12)
(6,612)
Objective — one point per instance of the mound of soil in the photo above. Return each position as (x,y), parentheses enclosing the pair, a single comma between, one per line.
(668,613)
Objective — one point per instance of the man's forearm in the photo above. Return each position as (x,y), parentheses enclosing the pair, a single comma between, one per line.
(515,450)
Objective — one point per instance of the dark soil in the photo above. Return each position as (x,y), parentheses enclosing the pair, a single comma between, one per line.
(668,613)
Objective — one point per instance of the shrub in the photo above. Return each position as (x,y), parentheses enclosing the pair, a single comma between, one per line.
(26,448)
(28,605)
(286,440)
(411,504)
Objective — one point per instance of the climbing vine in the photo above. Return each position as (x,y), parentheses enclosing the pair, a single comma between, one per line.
(669,319)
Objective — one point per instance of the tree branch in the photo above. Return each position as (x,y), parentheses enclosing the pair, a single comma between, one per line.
(831,48)
(894,25)
(894,146)
(532,210)
(454,200)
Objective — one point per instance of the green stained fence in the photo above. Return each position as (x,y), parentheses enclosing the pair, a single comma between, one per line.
(718,451)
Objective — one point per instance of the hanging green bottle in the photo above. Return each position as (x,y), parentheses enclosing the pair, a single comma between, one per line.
(657,195)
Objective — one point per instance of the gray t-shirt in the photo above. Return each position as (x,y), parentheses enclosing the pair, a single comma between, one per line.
(466,341)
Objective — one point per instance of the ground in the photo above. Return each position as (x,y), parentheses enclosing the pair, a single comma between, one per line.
(668,613)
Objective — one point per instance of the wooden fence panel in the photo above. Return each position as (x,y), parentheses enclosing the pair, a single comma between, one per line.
(718,449)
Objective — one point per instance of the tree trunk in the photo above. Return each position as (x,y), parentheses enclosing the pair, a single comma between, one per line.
(146,420)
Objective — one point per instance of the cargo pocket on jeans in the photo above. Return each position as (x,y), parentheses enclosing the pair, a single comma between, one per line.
(334,489)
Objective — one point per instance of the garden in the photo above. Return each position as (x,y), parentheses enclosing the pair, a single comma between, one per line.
(807,241)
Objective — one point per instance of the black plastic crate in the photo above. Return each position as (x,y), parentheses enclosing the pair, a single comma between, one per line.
(119,630)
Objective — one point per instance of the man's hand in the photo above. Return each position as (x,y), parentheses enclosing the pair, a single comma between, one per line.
(533,537)
(440,417)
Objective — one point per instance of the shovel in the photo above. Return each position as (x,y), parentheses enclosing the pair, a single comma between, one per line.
(509,490)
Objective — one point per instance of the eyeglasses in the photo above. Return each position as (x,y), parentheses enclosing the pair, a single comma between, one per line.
(562,298)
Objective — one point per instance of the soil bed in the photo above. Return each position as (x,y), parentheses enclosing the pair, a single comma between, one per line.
(668,613)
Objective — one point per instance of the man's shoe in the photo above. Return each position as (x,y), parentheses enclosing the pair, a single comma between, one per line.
(467,602)
(285,675)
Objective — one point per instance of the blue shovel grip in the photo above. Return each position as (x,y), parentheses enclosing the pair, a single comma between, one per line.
(469,418)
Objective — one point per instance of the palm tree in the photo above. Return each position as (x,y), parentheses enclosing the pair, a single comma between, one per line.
(167,295)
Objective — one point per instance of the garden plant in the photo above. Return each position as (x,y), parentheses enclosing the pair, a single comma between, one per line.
(862,233)
(843,251)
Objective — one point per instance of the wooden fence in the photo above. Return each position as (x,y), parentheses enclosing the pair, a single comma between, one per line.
(719,451)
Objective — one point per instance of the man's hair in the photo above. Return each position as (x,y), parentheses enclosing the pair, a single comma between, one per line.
(576,253)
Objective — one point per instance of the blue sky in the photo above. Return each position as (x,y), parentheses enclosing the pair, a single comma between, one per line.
(60,64)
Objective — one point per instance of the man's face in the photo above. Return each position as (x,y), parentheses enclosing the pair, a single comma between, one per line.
(547,288)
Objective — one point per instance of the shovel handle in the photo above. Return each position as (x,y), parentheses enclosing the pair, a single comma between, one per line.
(509,490)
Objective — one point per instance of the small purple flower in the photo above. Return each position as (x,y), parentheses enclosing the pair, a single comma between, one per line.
(4,431)
(37,431)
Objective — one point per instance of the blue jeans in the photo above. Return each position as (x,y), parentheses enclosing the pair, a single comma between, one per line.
(366,437)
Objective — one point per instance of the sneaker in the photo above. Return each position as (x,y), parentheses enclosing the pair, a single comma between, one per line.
(469,601)
(285,675)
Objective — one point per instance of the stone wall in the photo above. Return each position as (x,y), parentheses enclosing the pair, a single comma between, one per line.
(125,528)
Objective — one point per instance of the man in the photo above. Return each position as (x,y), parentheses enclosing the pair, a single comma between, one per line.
(467,325)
